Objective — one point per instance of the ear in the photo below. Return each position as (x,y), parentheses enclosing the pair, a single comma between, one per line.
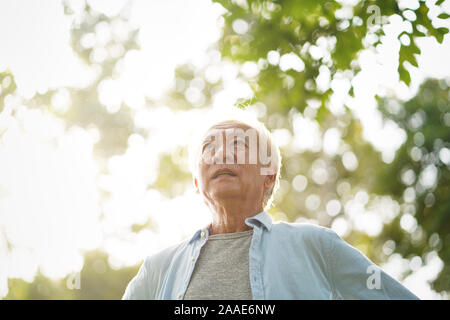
(270,180)
(197,190)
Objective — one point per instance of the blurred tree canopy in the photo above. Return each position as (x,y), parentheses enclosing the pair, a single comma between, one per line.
(339,187)
(96,281)
(419,177)
(326,35)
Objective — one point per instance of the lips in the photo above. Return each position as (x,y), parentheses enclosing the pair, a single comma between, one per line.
(222,172)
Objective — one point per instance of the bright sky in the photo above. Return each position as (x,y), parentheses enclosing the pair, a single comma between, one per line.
(49,197)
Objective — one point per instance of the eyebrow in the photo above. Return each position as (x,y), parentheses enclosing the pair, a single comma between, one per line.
(207,141)
(211,138)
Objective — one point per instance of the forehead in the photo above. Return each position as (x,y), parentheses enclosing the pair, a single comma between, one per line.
(229,126)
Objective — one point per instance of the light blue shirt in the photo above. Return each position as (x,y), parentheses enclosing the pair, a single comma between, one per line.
(286,261)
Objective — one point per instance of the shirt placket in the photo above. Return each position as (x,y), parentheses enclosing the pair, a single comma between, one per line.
(193,256)
(255,265)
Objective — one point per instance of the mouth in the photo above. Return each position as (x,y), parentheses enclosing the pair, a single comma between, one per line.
(223,172)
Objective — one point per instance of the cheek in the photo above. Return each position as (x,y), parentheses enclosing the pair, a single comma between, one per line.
(201,183)
(252,174)
(202,177)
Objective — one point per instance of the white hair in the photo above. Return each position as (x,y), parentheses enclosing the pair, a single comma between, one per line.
(215,117)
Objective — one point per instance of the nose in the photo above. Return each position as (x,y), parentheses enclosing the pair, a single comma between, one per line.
(223,154)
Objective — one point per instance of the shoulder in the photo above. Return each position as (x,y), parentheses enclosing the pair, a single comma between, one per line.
(144,285)
(162,258)
(301,228)
(305,232)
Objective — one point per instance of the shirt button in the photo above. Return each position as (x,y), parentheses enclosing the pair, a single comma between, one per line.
(192,258)
(179,296)
(202,234)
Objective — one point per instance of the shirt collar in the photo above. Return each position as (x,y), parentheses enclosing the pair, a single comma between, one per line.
(260,219)
(205,230)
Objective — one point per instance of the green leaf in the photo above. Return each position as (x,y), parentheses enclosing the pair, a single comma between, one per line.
(404,74)
(440,33)
(418,33)
(351,92)
(407,54)
(444,16)
(442,30)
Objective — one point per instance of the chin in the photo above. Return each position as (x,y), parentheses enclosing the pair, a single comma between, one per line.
(226,193)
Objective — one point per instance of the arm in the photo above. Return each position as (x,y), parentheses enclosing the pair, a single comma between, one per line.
(354,276)
(138,288)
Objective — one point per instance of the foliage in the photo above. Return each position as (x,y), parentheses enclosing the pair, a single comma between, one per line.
(311,177)
(114,127)
(419,176)
(300,28)
(7,86)
(97,280)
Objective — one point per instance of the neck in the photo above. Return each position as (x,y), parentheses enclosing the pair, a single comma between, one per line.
(230,217)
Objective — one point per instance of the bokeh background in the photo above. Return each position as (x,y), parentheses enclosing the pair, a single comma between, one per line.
(99,100)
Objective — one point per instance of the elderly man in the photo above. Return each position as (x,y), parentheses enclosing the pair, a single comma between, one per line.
(242,254)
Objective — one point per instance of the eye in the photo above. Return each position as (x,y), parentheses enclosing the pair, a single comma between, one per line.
(239,143)
(206,147)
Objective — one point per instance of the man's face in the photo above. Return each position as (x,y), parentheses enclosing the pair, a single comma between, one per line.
(229,165)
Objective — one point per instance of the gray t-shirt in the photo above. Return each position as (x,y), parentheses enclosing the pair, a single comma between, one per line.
(222,270)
